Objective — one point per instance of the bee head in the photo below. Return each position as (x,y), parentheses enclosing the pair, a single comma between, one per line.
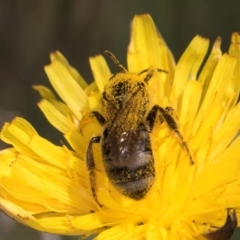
(123,90)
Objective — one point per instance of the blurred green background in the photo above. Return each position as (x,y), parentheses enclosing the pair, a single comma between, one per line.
(31,29)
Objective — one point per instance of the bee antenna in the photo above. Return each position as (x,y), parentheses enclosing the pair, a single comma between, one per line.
(158,69)
(114,59)
(150,73)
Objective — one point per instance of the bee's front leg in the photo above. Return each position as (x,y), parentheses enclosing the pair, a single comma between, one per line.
(166,115)
(91,165)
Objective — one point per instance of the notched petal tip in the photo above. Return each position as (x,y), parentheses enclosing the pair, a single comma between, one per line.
(227,230)
(218,42)
(44,92)
(235,38)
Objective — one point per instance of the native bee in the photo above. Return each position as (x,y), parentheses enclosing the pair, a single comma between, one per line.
(125,142)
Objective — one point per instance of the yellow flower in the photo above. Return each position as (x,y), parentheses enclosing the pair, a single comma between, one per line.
(47,187)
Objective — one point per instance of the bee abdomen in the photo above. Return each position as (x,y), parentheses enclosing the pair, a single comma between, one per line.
(133,183)
(137,189)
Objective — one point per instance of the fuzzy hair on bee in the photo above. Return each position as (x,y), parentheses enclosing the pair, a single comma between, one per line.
(126,99)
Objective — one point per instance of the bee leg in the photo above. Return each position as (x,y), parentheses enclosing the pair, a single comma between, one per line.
(227,230)
(91,166)
(151,117)
(166,115)
(87,118)
(99,117)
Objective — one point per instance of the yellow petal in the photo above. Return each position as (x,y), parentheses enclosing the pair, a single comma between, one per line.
(61,120)
(45,92)
(148,45)
(148,49)
(75,74)
(100,71)
(216,91)
(217,87)
(190,104)
(77,141)
(186,68)
(67,87)
(234,51)
(211,63)
(94,96)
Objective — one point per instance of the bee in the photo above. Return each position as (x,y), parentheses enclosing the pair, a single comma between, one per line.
(125,142)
